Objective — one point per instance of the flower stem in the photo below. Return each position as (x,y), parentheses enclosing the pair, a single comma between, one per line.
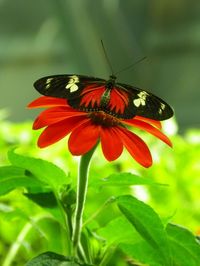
(80,197)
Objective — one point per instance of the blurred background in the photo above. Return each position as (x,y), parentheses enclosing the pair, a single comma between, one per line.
(48,37)
(45,37)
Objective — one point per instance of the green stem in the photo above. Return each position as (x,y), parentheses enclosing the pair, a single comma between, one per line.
(101,208)
(107,256)
(67,224)
(80,197)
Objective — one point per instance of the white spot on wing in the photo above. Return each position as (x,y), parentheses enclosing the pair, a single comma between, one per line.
(48,81)
(137,102)
(141,100)
(162,107)
(71,85)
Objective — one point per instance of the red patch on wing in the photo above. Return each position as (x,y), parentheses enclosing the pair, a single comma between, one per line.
(118,100)
(92,95)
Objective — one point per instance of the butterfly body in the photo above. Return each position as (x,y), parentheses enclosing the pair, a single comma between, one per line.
(95,94)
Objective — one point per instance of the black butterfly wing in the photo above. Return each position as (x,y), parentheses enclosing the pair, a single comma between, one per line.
(146,104)
(64,86)
(136,102)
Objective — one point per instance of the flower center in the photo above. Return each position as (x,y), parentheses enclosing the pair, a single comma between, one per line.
(104,119)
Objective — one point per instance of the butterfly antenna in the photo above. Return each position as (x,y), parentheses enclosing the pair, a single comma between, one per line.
(130,66)
(107,58)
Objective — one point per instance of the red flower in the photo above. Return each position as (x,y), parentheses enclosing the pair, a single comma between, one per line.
(87,128)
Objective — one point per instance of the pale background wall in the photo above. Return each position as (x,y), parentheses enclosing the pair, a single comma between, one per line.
(46,37)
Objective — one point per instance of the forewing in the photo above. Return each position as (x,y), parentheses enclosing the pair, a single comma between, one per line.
(146,104)
(64,86)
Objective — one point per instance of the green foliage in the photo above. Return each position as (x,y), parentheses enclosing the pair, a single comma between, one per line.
(119,227)
(114,233)
(53,259)
(12,177)
(42,170)
(122,179)
(148,225)
(184,246)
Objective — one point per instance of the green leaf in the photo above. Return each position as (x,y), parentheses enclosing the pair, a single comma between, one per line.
(143,253)
(114,232)
(12,177)
(7,171)
(124,179)
(147,223)
(47,201)
(43,170)
(53,259)
(184,246)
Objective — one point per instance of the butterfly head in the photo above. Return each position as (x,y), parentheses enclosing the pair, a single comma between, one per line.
(111,82)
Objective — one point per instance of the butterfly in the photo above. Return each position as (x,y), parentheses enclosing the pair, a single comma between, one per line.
(92,94)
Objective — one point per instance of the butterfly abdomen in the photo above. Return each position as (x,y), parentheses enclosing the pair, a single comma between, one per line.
(105,98)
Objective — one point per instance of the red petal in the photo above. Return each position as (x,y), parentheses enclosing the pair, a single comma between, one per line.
(56,132)
(83,138)
(46,101)
(149,128)
(54,115)
(136,147)
(155,123)
(111,144)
